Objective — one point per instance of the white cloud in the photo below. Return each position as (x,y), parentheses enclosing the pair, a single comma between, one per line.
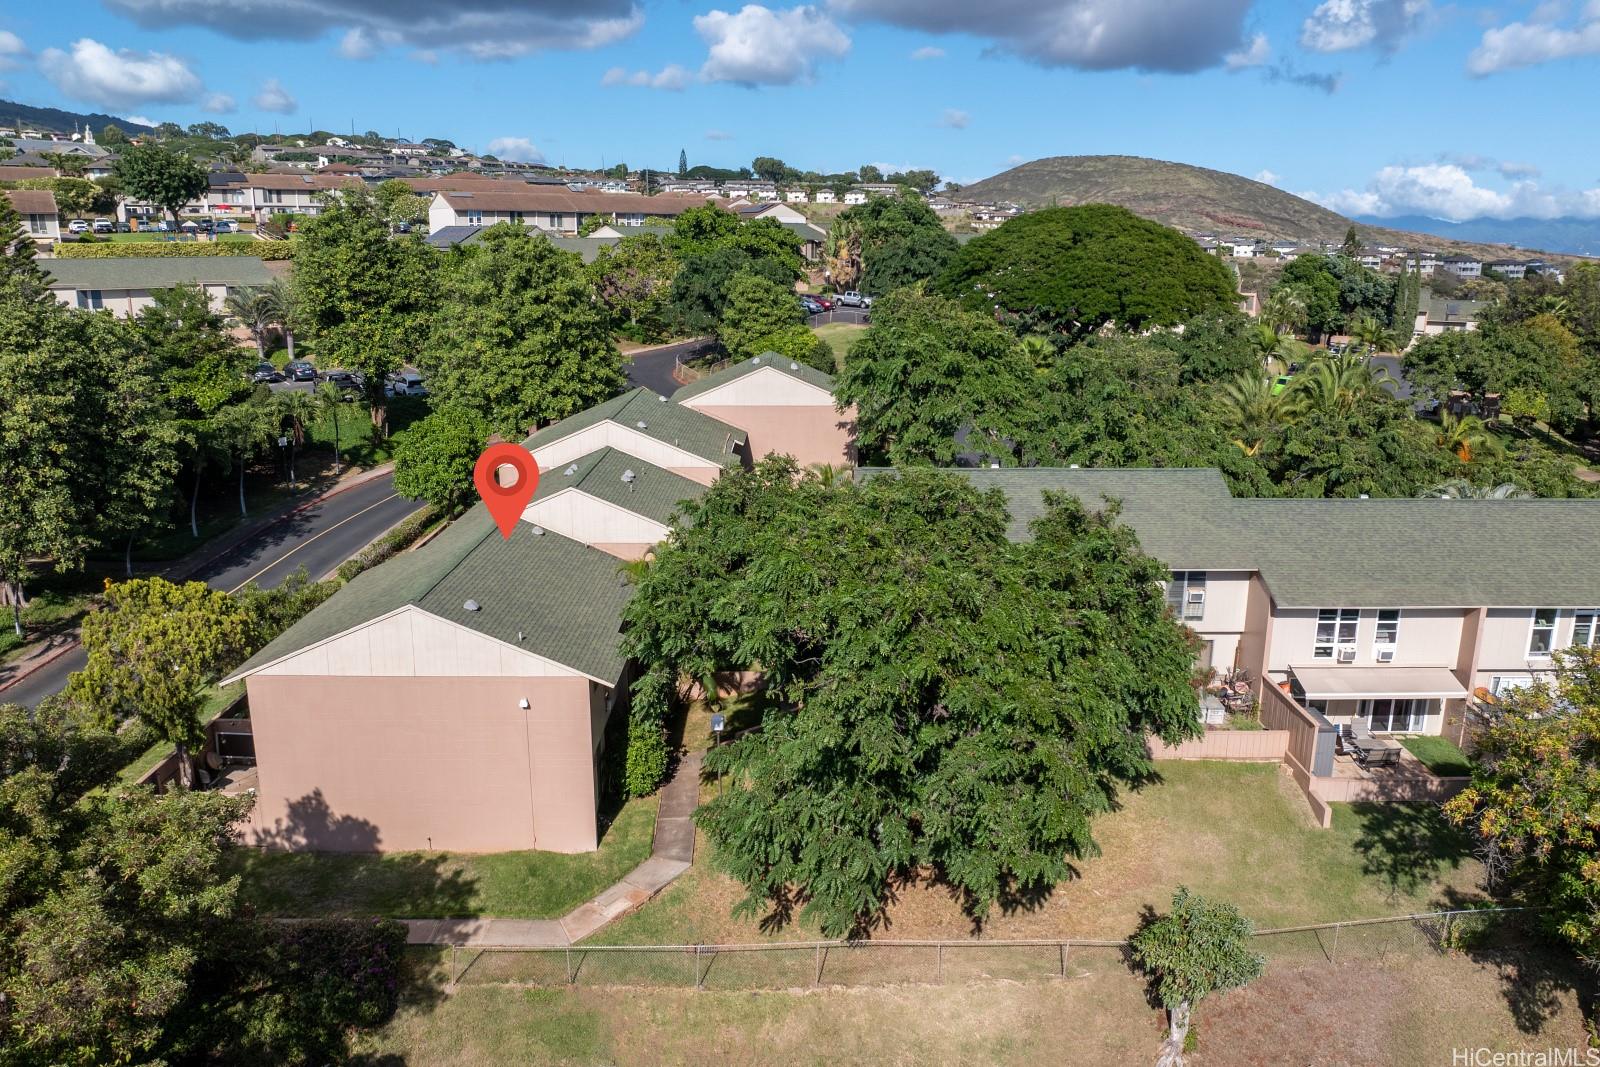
(759,46)
(95,73)
(219,104)
(516,149)
(1154,35)
(954,119)
(1447,191)
(1267,177)
(1539,40)
(141,120)
(362,43)
(481,29)
(928,52)
(275,98)
(671,77)
(718,135)
(1254,54)
(12,50)
(426,55)
(1340,25)
(1016,160)
(1504,167)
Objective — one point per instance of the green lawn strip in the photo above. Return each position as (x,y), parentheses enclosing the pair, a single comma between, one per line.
(839,335)
(218,700)
(1440,755)
(425,885)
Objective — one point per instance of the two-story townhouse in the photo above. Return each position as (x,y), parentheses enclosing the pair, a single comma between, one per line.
(1462,266)
(41,220)
(125,285)
(543,207)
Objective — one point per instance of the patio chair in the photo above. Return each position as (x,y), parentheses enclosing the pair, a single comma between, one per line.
(1362,728)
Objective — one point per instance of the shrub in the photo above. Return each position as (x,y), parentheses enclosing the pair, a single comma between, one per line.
(799,344)
(273,611)
(389,545)
(647,756)
(176,249)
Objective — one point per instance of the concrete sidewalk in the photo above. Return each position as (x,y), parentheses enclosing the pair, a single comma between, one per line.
(671,853)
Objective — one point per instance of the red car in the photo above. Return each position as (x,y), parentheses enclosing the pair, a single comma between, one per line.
(826,302)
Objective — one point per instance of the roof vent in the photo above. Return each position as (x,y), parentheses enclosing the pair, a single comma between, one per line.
(471,605)
(640,424)
(538,531)
(570,471)
(628,476)
(1364,497)
(1072,466)
(519,635)
(794,366)
(662,399)
(755,359)
(994,466)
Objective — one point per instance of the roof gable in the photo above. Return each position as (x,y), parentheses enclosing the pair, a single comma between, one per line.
(654,416)
(768,361)
(651,492)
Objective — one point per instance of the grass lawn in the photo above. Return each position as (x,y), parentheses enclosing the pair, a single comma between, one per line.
(218,700)
(1238,832)
(1411,1006)
(429,885)
(1440,755)
(56,603)
(839,335)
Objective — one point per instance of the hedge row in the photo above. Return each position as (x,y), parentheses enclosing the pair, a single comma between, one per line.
(390,544)
(175,249)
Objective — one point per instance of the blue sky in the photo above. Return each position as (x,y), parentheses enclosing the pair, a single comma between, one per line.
(1374,106)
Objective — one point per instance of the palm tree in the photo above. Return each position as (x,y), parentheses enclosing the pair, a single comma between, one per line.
(1263,340)
(633,571)
(1039,349)
(1284,310)
(283,310)
(1250,405)
(1466,436)
(1461,489)
(1373,334)
(329,397)
(252,308)
(300,409)
(830,474)
(248,428)
(1340,384)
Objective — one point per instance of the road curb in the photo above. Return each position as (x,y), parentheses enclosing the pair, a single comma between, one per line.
(41,664)
(185,569)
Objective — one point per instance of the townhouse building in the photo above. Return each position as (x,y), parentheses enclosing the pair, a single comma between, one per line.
(560,210)
(41,220)
(126,285)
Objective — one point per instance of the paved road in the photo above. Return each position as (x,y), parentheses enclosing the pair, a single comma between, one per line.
(319,539)
(653,370)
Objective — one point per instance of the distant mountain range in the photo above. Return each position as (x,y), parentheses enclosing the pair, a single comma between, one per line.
(1574,236)
(1200,199)
(53,118)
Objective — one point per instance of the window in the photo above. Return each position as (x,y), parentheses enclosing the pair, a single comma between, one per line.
(1388,631)
(1335,626)
(38,223)
(1502,684)
(89,299)
(474,218)
(1186,594)
(1542,635)
(1586,628)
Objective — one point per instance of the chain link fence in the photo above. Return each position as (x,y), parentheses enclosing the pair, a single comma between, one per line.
(800,964)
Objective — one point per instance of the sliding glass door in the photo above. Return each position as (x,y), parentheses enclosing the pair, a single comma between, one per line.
(1395,716)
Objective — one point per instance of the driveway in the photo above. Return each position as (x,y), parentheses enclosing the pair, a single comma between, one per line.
(652,368)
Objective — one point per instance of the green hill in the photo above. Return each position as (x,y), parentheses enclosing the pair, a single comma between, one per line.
(53,118)
(1191,198)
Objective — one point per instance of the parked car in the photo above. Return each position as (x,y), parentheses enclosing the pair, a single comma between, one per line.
(301,371)
(103,226)
(351,385)
(224,227)
(405,383)
(824,302)
(266,373)
(78,226)
(853,299)
(811,306)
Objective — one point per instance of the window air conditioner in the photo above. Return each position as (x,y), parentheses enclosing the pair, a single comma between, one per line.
(1197,597)
(1385,653)
(1347,653)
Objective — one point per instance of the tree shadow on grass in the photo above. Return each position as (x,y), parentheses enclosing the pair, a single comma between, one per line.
(1535,970)
(1408,846)
(336,868)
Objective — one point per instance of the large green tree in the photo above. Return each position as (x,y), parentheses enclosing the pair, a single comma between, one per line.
(925,369)
(632,280)
(152,649)
(886,243)
(1075,270)
(159,176)
(756,309)
(365,295)
(701,230)
(518,339)
(1534,793)
(940,699)
(699,292)
(434,459)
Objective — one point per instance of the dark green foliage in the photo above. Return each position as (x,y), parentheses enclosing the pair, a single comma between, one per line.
(889,242)
(756,308)
(1211,348)
(925,369)
(1538,354)
(701,230)
(1378,449)
(434,459)
(518,340)
(274,610)
(633,282)
(159,176)
(699,293)
(1196,949)
(1074,270)
(942,698)
(1337,290)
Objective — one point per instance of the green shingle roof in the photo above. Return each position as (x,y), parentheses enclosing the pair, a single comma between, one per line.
(563,598)
(1338,553)
(652,492)
(682,427)
(155,272)
(794,369)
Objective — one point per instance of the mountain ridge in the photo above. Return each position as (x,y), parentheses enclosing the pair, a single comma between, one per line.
(60,121)
(1200,199)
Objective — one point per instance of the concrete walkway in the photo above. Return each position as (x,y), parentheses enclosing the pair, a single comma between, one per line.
(671,852)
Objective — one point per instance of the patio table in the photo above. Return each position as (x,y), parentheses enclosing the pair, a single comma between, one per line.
(1376,749)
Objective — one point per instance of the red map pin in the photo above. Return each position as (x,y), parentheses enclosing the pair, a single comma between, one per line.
(506,476)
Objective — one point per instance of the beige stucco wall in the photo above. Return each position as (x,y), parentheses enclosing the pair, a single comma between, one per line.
(401,763)
(1503,646)
(627,440)
(1428,637)
(575,514)
(817,434)
(1223,620)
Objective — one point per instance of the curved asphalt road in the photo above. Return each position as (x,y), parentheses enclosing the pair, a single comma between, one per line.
(318,539)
